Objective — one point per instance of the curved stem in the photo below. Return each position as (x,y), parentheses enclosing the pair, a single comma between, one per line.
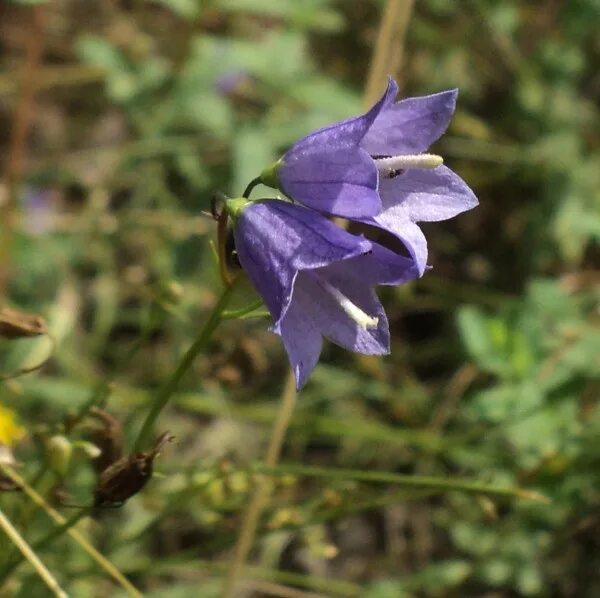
(234,314)
(170,386)
(263,488)
(253,183)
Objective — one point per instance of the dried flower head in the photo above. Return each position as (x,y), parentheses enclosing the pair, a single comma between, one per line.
(19,324)
(128,475)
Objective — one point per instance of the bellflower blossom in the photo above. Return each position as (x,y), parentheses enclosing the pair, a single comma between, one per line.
(316,279)
(373,168)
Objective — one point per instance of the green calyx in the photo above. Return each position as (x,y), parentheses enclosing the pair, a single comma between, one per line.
(269,175)
(235,206)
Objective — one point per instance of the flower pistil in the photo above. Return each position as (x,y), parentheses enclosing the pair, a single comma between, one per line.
(391,166)
(357,315)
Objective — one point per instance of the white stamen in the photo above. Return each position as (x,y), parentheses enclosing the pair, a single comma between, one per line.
(364,320)
(392,165)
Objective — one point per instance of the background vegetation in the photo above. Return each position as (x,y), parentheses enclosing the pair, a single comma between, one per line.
(139,111)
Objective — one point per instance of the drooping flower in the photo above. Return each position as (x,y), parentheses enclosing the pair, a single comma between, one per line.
(374,168)
(316,279)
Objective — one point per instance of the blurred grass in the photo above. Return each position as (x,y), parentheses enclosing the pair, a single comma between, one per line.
(141,110)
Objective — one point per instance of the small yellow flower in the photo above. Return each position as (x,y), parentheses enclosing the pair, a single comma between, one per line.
(10,430)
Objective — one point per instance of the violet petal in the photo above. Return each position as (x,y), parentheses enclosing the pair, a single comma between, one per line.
(275,239)
(428,195)
(329,172)
(411,125)
(341,182)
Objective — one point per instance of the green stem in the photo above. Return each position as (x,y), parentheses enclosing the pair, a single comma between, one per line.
(414,481)
(98,557)
(30,555)
(253,183)
(170,386)
(55,533)
(234,314)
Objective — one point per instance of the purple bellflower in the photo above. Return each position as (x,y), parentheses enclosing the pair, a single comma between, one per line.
(373,168)
(316,279)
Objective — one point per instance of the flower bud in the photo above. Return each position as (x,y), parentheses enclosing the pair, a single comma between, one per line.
(58,452)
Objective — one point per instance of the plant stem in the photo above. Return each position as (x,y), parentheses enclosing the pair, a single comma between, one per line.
(20,129)
(40,544)
(102,561)
(221,244)
(170,386)
(234,314)
(30,555)
(388,47)
(263,488)
(253,183)
(413,481)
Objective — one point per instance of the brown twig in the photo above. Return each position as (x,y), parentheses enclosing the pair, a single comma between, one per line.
(263,489)
(387,56)
(18,140)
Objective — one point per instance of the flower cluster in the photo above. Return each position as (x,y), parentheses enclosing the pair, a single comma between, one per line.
(316,278)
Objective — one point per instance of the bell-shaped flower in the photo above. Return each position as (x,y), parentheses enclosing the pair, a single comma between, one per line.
(316,279)
(420,195)
(374,168)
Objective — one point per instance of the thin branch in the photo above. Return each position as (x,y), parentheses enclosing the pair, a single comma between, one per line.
(19,133)
(389,46)
(33,559)
(263,489)
(406,480)
(102,561)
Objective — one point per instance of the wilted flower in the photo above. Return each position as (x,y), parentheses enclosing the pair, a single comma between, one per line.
(128,475)
(108,438)
(373,168)
(19,324)
(316,279)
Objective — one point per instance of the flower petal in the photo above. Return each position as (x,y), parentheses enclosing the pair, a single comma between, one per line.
(395,220)
(302,340)
(326,313)
(327,171)
(428,195)
(411,125)
(381,266)
(276,239)
(338,181)
(351,130)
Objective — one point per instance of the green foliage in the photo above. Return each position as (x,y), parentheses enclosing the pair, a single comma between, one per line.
(143,110)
